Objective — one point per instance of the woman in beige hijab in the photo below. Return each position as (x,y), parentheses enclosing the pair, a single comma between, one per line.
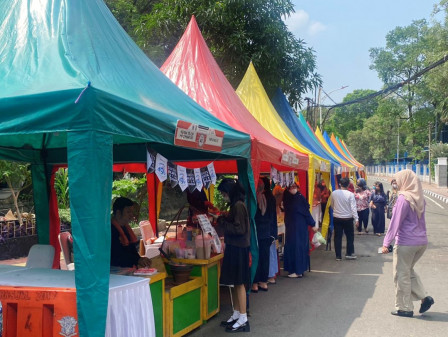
(408,229)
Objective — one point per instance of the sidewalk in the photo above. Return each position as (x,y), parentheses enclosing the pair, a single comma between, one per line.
(433,190)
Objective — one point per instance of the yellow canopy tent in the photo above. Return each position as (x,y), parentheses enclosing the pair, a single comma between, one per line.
(256,100)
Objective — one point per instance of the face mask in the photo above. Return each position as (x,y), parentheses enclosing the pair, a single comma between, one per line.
(377,189)
(293,191)
(395,186)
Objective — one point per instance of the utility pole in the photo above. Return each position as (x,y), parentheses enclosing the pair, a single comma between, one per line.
(398,141)
(429,153)
(320,109)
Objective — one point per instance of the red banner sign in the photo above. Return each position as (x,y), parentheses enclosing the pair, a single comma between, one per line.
(198,137)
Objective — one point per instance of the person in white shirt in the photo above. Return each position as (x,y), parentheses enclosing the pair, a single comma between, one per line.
(344,214)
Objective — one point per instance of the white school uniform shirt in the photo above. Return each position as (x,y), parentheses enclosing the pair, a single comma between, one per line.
(344,204)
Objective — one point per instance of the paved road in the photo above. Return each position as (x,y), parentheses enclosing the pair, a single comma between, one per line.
(351,298)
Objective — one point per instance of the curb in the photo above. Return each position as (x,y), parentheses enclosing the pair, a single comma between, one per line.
(437,196)
(430,193)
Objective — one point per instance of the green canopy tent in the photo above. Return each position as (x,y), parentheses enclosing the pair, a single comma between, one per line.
(75,89)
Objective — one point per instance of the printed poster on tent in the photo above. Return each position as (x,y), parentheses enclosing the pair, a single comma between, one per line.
(197,136)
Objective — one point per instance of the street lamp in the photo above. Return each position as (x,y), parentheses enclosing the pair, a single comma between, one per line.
(320,100)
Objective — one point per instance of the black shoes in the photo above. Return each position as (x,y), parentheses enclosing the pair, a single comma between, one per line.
(225,324)
(241,328)
(426,304)
(402,313)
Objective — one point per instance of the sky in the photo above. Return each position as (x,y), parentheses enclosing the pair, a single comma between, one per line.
(342,32)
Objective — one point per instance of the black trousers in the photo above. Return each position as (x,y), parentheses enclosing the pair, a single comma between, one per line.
(264,247)
(343,226)
(363,218)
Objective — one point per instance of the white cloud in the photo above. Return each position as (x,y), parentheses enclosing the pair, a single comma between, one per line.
(299,24)
(315,28)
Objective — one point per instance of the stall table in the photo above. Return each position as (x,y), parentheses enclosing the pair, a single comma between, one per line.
(210,271)
(42,302)
(183,306)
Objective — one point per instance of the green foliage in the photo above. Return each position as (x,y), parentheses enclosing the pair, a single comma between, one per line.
(236,32)
(62,188)
(439,150)
(134,188)
(65,215)
(17,175)
(218,199)
(377,140)
(352,117)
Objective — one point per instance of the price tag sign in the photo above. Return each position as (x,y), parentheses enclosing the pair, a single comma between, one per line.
(208,228)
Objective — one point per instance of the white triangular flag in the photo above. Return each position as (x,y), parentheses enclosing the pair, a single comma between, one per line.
(161,167)
(182,177)
(274,175)
(211,170)
(198,179)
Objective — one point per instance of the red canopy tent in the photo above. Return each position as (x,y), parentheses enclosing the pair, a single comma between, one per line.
(192,68)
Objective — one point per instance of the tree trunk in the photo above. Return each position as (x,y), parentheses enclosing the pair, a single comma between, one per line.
(15,198)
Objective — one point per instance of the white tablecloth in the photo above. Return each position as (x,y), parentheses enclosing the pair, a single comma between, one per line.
(129,314)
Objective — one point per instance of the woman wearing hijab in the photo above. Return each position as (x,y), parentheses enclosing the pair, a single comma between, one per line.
(378,202)
(265,220)
(362,197)
(408,229)
(392,196)
(235,266)
(297,220)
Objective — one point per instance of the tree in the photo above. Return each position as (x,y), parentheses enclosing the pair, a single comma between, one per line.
(377,140)
(18,178)
(351,117)
(236,32)
(403,57)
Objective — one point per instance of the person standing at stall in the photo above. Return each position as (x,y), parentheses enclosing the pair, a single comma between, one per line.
(297,220)
(266,223)
(392,196)
(325,194)
(344,214)
(362,197)
(123,250)
(235,269)
(378,203)
(408,229)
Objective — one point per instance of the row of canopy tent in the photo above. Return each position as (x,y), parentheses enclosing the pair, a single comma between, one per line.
(76,89)
(192,67)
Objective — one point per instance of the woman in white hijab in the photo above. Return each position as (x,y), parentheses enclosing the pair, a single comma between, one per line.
(408,229)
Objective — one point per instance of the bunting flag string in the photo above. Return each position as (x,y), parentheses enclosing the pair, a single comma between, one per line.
(178,175)
(284,179)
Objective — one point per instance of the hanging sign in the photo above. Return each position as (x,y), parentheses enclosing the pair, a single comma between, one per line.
(150,161)
(209,229)
(172,174)
(182,177)
(190,180)
(206,177)
(274,175)
(291,178)
(161,167)
(198,136)
(198,179)
(289,158)
(211,171)
(287,181)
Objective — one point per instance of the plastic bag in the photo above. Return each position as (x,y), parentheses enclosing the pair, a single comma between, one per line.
(318,239)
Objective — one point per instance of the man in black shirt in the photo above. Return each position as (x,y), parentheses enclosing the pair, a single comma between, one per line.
(123,250)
